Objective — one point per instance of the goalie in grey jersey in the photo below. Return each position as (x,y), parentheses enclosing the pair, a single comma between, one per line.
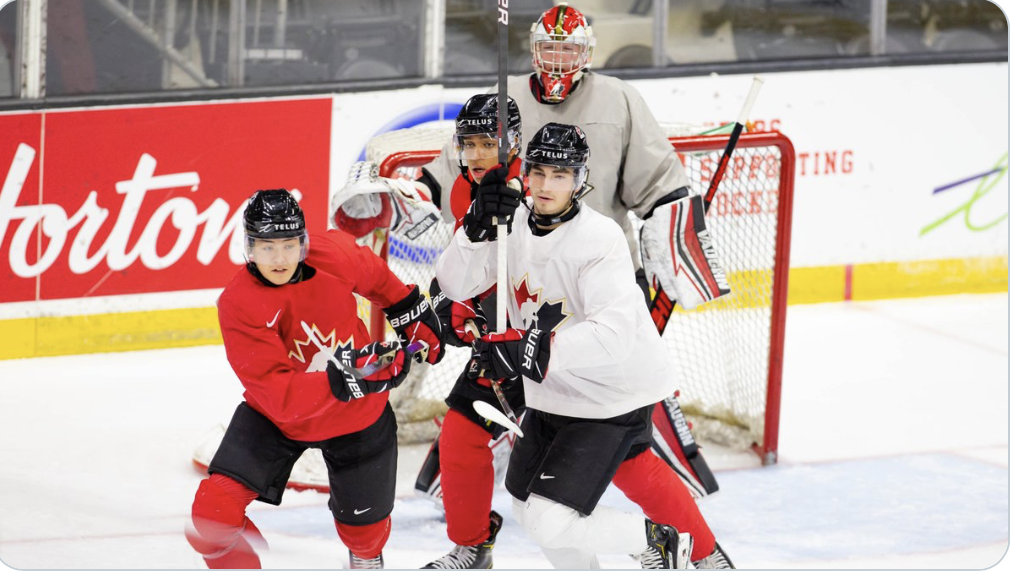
(592,366)
(634,169)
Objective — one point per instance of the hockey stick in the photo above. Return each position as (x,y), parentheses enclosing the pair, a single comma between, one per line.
(503,157)
(662,306)
(382,360)
(502,238)
(487,411)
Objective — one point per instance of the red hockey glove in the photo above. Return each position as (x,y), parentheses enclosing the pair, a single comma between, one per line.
(413,321)
(452,317)
(468,311)
(514,353)
(347,385)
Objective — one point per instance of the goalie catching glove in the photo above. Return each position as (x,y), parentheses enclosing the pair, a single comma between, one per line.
(513,353)
(495,198)
(368,201)
(413,320)
(678,251)
(346,386)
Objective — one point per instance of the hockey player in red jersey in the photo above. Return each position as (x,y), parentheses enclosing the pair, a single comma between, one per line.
(462,452)
(298,396)
(592,367)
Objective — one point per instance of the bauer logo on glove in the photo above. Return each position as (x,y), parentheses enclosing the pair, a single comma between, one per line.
(514,353)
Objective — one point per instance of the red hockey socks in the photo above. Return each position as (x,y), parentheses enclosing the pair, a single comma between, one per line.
(364,541)
(221,531)
(651,484)
(467,466)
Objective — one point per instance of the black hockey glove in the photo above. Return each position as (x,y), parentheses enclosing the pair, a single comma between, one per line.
(515,353)
(413,320)
(347,385)
(475,373)
(452,317)
(495,198)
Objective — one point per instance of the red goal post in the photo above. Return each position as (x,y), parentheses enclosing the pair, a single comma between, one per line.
(728,353)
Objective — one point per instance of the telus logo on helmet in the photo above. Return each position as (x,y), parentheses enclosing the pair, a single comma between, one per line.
(503,12)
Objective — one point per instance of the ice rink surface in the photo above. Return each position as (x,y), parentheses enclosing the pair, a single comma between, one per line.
(893,455)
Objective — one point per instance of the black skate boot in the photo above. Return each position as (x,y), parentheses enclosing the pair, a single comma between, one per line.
(715,561)
(358,563)
(470,557)
(667,549)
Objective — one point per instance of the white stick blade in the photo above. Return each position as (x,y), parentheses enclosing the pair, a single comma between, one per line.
(487,411)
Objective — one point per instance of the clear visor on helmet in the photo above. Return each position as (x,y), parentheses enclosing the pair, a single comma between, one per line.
(277,251)
(560,54)
(562,179)
(479,146)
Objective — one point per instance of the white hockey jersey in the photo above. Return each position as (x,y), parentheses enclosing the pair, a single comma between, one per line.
(631,162)
(606,357)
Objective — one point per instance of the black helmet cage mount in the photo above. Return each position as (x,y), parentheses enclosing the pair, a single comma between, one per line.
(479,116)
(274,214)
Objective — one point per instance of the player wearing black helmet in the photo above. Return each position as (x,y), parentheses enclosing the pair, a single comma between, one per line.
(461,463)
(592,366)
(272,314)
(634,169)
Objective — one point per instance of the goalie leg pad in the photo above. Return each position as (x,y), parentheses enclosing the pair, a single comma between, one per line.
(678,250)
(674,443)
(467,479)
(429,478)
(651,484)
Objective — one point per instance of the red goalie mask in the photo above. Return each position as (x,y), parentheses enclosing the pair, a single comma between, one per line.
(562,43)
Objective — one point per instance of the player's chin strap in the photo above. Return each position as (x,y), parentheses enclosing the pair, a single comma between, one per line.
(544,224)
(303,272)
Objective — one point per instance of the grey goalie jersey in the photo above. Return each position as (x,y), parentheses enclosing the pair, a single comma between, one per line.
(631,162)
(606,357)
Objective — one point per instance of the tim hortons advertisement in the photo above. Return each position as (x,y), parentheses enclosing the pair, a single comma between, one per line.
(148,199)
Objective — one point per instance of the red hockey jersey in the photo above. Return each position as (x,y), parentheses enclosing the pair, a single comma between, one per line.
(283,372)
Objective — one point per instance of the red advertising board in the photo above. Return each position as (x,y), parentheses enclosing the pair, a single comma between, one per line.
(150,199)
(19,193)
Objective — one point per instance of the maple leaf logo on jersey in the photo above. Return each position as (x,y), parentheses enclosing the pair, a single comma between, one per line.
(320,359)
(545,315)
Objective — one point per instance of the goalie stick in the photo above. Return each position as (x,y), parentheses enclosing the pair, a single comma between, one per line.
(662,306)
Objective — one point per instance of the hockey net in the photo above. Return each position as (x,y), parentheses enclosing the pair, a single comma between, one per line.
(727,354)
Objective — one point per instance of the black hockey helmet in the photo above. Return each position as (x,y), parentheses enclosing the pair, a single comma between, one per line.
(559,145)
(274,213)
(479,116)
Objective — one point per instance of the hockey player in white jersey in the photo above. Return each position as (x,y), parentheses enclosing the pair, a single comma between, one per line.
(592,366)
(634,169)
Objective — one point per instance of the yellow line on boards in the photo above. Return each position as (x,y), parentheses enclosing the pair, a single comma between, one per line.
(113,332)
